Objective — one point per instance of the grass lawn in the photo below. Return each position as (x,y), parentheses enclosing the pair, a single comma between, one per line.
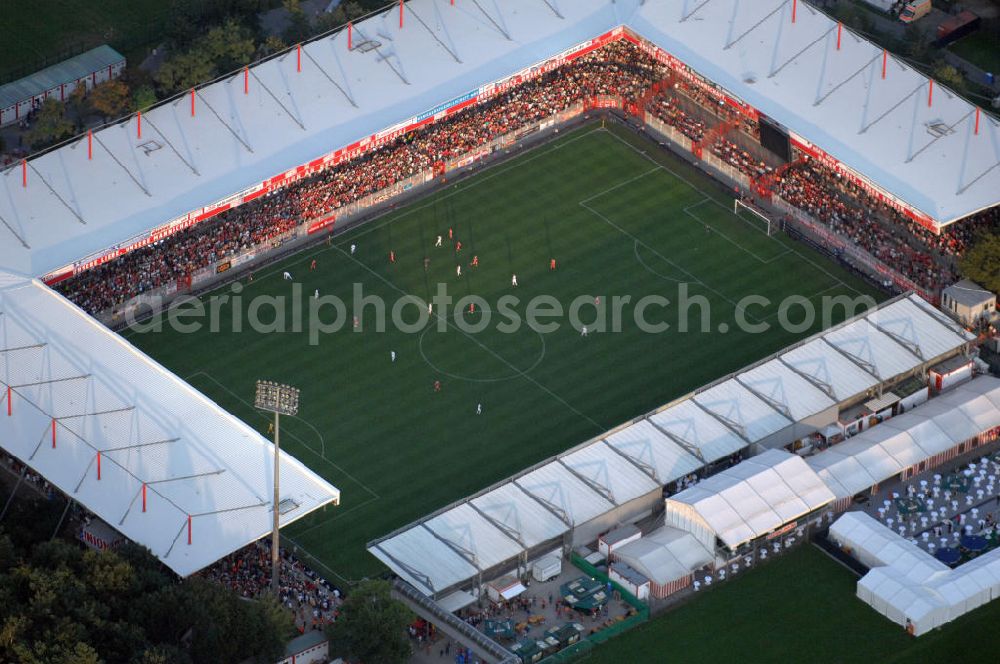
(801,608)
(34,35)
(980,48)
(618,224)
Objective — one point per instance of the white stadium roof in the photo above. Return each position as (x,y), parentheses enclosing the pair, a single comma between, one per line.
(876,454)
(513,510)
(884,129)
(648,448)
(74,206)
(612,475)
(115,409)
(699,430)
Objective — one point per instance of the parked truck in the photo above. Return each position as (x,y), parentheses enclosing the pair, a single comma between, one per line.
(915,10)
(957,27)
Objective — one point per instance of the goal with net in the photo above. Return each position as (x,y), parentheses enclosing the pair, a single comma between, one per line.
(752,216)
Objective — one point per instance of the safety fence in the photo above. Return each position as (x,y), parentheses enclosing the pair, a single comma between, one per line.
(797,221)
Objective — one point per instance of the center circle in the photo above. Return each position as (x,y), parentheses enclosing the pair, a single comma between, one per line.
(514,371)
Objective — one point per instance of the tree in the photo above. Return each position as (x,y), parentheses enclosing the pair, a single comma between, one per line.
(228,47)
(298,29)
(143,98)
(49,126)
(184,71)
(273,44)
(372,625)
(982,262)
(949,76)
(111,99)
(222,49)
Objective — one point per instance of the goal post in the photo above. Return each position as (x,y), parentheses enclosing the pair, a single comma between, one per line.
(754,217)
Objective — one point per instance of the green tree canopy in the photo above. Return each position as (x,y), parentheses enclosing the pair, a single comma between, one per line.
(50,125)
(222,49)
(372,625)
(982,262)
(111,99)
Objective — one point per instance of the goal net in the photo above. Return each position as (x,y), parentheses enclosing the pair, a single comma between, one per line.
(752,216)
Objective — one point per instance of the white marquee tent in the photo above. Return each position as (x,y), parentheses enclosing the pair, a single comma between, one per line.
(749,500)
(665,555)
(906,583)
(878,453)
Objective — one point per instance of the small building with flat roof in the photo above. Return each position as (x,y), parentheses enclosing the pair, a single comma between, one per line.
(968,302)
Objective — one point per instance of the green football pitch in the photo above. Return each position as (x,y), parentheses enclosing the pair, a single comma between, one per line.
(798,608)
(618,222)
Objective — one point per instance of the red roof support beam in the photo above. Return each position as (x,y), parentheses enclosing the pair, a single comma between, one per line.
(24,173)
(192,102)
(246,80)
(53,433)
(795,6)
(189,530)
(90,144)
(143,496)
(885,62)
(138,126)
(930,92)
(400,13)
(840,31)
(298,57)
(977,133)
(10,392)
(98,466)
(350,30)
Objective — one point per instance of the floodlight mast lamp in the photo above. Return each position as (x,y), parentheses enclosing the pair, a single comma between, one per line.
(280,400)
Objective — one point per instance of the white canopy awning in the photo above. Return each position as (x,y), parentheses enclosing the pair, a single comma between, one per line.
(123,423)
(754,497)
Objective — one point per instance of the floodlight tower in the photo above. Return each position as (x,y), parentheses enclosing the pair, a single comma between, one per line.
(280,400)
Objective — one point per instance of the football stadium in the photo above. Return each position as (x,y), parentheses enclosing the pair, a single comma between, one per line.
(602,320)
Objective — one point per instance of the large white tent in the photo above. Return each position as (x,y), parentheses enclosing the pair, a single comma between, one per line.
(749,500)
(133,443)
(878,453)
(665,555)
(909,585)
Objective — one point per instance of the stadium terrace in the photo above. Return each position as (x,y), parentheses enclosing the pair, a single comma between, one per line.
(875,120)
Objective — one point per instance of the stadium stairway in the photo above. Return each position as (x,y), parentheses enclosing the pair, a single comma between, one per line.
(763,186)
(715,132)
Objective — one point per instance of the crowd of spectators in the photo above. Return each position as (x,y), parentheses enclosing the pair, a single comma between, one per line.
(820,192)
(31,477)
(665,109)
(314,601)
(739,158)
(618,69)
